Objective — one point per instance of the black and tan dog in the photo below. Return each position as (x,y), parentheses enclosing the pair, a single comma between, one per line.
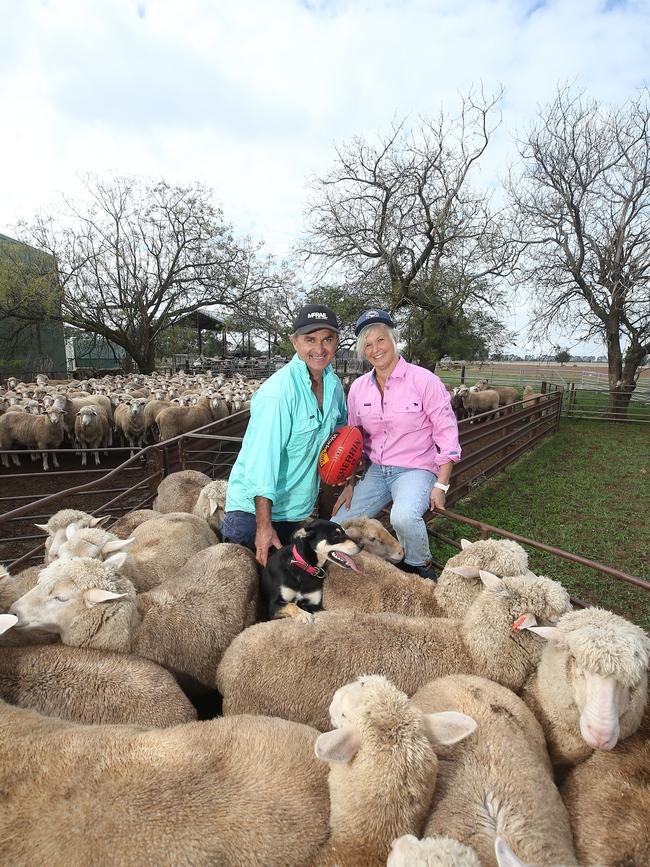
(292,581)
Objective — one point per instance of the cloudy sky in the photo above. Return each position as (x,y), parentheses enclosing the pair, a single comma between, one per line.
(251,96)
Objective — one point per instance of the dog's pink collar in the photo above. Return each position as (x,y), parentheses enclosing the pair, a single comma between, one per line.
(298,561)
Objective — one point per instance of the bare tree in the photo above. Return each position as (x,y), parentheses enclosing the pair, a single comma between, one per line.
(399,216)
(584,199)
(140,257)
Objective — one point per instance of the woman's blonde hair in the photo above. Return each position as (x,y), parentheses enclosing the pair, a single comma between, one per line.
(363,334)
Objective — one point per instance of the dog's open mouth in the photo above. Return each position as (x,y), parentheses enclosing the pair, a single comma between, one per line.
(343,560)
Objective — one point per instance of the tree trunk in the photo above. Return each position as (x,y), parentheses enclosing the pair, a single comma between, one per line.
(621,388)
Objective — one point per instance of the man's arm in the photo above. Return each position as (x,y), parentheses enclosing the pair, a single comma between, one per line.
(265,535)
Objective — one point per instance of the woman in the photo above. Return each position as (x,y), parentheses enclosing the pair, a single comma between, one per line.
(410,438)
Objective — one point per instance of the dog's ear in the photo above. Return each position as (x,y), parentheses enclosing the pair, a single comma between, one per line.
(300,533)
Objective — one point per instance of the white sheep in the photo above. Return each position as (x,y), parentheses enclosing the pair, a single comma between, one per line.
(383,768)
(129,422)
(408,851)
(92,686)
(34,431)
(57,525)
(290,670)
(178,492)
(380,586)
(479,402)
(91,431)
(499,781)
(185,625)
(237,791)
(590,688)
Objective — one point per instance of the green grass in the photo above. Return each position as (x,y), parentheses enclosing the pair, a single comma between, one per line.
(586,490)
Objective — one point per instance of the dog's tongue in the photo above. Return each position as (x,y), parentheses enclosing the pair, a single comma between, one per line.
(343,560)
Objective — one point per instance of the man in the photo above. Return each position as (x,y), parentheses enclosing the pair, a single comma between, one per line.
(273,485)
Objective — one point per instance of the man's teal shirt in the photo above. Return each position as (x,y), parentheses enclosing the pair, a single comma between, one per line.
(287,429)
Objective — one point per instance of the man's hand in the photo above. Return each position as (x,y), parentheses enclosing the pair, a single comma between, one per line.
(437,499)
(265,537)
(344,497)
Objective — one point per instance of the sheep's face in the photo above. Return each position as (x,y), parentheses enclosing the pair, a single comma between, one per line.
(373,537)
(87,416)
(59,597)
(606,660)
(55,416)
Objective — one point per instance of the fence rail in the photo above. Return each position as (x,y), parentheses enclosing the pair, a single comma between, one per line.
(605,405)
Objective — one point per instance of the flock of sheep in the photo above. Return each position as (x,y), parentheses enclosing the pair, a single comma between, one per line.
(474,721)
(483,398)
(88,414)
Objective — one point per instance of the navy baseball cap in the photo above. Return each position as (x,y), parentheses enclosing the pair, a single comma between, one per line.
(313,317)
(373,317)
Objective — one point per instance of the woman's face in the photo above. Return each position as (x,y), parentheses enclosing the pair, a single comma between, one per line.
(379,349)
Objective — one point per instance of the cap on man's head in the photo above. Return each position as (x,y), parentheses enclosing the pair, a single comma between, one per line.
(373,317)
(313,317)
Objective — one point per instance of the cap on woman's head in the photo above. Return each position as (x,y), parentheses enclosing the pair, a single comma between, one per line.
(373,317)
(313,317)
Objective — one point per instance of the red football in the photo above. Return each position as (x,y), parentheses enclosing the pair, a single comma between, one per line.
(340,456)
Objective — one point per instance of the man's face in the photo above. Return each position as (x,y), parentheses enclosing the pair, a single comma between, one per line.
(316,349)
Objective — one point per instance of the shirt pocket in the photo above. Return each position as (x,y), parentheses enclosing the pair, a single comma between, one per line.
(408,415)
(304,434)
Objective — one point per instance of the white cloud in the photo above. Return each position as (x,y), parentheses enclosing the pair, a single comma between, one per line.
(250,96)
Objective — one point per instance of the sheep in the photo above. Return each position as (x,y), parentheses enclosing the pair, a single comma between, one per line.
(457,404)
(608,799)
(12,587)
(185,625)
(383,769)
(92,686)
(374,538)
(176,420)
(479,402)
(125,525)
(211,503)
(129,422)
(379,586)
(459,583)
(590,687)
(289,669)
(229,791)
(192,491)
(99,544)
(178,492)
(59,522)
(91,430)
(163,545)
(408,851)
(72,405)
(500,780)
(35,431)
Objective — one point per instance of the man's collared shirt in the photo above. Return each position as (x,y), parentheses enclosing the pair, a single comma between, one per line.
(287,429)
(414,426)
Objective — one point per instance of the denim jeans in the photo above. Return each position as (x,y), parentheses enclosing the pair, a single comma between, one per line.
(240,528)
(410,491)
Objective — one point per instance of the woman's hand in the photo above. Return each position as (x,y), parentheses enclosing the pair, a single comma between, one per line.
(345,497)
(437,499)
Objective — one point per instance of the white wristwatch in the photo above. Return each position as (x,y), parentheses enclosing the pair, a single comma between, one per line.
(442,487)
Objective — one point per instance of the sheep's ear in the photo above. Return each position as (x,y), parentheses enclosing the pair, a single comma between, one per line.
(214,505)
(7,621)
(465,543)
(447,727)
(95,596)
(354,532)
(116,561)
(42,527)
(97,522)
(505,856)
(465,571)
(70,530)
(491,581)
(339,745)
(550,633)
(116,545)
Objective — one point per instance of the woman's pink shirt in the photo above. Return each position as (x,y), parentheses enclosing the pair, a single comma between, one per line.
(414,426)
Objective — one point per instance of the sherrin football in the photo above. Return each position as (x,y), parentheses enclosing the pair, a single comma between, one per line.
(340,456)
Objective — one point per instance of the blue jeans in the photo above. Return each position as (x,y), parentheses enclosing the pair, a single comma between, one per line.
(240,528)
(410,491)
